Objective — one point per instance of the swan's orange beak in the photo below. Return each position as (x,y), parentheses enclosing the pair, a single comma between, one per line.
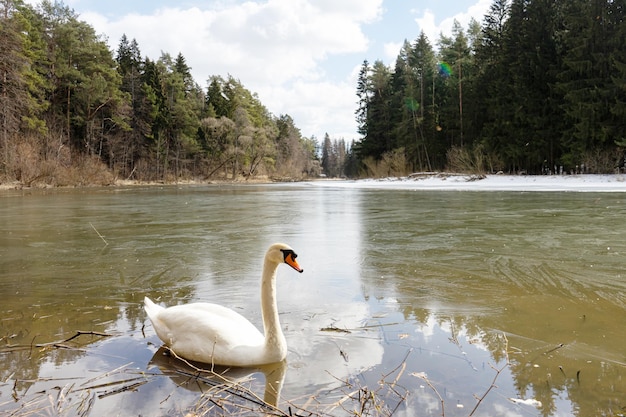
(290,260)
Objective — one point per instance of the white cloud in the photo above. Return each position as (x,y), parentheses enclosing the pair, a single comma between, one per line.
(392,50)
(427,22)
(276,48)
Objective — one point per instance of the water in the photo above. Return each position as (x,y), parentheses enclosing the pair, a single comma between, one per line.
(411,299)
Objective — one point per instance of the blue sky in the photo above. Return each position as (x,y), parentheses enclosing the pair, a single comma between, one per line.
(300,56)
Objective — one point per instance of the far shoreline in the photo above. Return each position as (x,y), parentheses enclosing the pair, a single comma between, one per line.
(415,181)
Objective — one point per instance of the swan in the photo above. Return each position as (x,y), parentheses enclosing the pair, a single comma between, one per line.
(211,333)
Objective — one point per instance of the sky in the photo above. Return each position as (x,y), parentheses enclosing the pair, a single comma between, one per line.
(301,57)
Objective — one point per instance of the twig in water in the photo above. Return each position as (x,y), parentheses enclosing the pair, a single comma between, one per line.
(89,332)
(60,344)
(130,387)
(342,353)
(392,386)
(227,385)
(333,328)
(101,237)
(495,377)
(401,367)
(363,401)
(559,346)
(424,377)
(106,374)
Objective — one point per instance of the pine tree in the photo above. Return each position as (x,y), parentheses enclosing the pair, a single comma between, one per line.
(455,52)
(532,53)
(379,138)
(327,156)
(591,30)
(14,99)
(618,77)
(404,102)
(363,91)
(493,83)
(216,99)
(422,60)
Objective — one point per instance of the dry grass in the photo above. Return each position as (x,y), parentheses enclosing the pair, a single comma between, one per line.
(599,162)
(392,164)
(32,163)
(461,159)
(85,171)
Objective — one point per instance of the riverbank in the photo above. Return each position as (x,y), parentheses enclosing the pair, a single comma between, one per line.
(16,185)
(424,181)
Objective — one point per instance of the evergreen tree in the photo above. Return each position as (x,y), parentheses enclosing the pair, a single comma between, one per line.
(216,99)
(379,137)
(85,95)
(455,52)
(363,91)
(591,40)
(156,116)
(618,76)
(493,83)
(532,52)
(327,157)
(180,110)
(422,61)
(14,97)
(404,103)
(129,65)
(130,145)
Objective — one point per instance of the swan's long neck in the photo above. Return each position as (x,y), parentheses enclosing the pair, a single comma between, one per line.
(275,343)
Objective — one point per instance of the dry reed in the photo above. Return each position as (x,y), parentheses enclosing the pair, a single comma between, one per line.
(225,396)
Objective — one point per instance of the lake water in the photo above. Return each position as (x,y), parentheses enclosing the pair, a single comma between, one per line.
(416,303)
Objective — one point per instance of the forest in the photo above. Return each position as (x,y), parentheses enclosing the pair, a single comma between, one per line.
(72,112)
(539,87)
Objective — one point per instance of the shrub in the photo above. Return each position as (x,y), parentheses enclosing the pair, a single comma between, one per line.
(392,164)
(472,160)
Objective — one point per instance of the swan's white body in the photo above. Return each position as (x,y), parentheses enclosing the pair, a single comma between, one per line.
(211,333)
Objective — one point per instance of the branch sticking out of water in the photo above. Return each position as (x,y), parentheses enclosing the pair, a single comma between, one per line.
(362,401)
(225,392)
(59,344)
(480,399)
(424,377)
(495,377)
(98,233)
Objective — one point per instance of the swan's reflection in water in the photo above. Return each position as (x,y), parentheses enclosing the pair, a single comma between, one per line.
(231,385)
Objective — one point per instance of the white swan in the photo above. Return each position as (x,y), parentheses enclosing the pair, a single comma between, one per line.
(211,333)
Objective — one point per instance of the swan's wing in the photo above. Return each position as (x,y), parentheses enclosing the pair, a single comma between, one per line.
(205,332)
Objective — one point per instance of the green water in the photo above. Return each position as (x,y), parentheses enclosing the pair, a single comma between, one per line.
(437,284)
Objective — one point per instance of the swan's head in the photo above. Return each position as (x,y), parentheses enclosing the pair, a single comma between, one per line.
(281,253)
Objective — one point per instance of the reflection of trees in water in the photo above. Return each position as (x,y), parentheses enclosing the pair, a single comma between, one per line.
(44,316)
(489,266)
(593,384)
(577,375)
(583,376)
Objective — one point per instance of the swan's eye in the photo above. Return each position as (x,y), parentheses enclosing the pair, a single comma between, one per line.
(287,252)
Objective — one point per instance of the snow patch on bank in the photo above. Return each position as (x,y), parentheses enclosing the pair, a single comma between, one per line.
(458,182)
